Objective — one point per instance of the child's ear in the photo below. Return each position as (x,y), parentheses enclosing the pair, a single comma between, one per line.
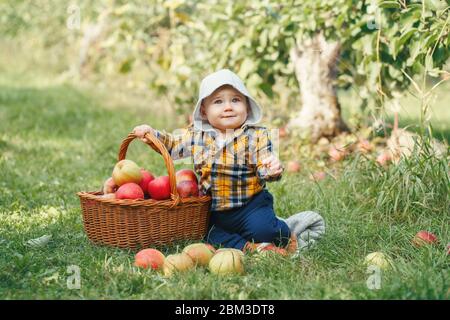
(202,111)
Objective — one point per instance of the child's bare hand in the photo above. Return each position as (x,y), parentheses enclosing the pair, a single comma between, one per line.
(141,130)
(274,166)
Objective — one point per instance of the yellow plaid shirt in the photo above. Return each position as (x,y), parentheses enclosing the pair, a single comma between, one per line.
(232,173)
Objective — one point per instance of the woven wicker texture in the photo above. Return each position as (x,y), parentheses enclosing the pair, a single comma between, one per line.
(135,224)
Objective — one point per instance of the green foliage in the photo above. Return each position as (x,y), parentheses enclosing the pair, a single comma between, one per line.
(380,41)
(178,42)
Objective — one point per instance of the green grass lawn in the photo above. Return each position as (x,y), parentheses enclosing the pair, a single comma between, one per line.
(57,139)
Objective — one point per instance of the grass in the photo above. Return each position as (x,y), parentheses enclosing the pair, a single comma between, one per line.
(57,139)
(409,111)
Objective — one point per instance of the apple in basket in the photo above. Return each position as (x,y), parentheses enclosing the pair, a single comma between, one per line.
(109,186)
(129,190)
(126,171)
(186,175)
(159,188)
(187,189)
(146,178)
(108,196)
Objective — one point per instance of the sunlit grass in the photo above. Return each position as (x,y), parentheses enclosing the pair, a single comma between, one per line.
(58,139)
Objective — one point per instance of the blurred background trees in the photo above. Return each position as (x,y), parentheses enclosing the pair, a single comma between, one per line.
(293,55)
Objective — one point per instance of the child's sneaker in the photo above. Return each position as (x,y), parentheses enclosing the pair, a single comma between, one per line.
(264,247)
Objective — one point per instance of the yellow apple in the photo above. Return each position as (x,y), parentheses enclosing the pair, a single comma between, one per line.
(177,262)
(378,259)
(126,171)
(227,261)
(200,253)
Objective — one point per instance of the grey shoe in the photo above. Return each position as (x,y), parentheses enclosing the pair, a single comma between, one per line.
(308,226)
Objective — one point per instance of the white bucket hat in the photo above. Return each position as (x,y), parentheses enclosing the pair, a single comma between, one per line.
(215,80)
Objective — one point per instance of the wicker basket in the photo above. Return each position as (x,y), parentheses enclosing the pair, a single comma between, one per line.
(136,224)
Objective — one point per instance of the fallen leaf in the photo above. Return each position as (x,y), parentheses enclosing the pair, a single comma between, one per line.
(39,242)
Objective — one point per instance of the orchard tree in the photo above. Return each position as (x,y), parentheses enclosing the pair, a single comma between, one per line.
(375,47)
(314,47)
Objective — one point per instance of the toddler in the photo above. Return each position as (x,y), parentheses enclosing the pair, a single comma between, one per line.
(233,156)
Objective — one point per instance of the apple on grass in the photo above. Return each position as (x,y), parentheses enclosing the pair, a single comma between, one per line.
(293,166)
(159,188)
(364,146)
(227,261)
(336,154)
(378,259)
(424,237)
(283,132)
(318,176)
(130,190)
(384,158)
(179,262)
(149,258)
(126,171)
(200,253)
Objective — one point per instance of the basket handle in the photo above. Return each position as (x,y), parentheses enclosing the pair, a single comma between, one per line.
(166,156)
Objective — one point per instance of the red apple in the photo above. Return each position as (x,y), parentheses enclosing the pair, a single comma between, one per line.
(293,166)
(159,188)
(126,171)
(423,238)
(364,146)
(186,175)
(336,154)
(187,189)
(146,178)
(448,248)
(383,158)
(109,186)
(149,258)
(282,132)
(130,190)
(318,176)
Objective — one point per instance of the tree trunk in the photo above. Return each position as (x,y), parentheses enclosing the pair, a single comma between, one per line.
(315,63)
